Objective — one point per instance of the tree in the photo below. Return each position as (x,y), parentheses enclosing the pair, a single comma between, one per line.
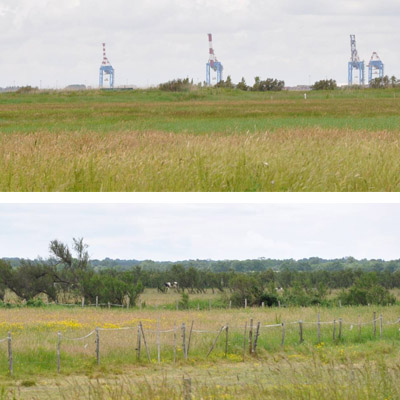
(242,85)
(325,85)
(69,272)
(28,280)
(267,85)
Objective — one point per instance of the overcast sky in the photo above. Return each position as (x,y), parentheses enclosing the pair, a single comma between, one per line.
(58,42)
(204,231)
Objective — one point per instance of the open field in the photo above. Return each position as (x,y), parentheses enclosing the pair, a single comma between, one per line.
(207,140)
(358,365)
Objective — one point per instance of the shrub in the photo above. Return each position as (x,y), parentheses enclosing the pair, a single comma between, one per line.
(325,85)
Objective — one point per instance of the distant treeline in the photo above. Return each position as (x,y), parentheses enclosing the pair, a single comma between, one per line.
(267,85)
(256,265)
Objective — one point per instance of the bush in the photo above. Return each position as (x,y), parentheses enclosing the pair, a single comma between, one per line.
(35,303)
(325,85)
(366,291)
(176,85)
(184,303)
(27,89)
(268,85)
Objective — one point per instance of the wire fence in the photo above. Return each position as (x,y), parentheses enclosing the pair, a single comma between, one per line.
(183,336)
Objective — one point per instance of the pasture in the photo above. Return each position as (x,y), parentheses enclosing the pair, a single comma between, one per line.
(205,140)
(360,363)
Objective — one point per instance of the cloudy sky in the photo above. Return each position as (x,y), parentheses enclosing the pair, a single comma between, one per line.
(58,42)
(204,231)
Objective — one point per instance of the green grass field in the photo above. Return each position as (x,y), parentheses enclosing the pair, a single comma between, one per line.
(358,365)
(205,140)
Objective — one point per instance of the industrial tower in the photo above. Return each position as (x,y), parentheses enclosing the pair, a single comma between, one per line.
(213,64)
(376,68)
(107,70)
(356,64)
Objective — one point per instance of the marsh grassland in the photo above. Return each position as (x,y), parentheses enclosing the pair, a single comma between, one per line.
(359,364)
(207,140)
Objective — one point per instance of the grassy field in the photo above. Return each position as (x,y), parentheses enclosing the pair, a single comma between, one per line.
(207,140)
(359,365)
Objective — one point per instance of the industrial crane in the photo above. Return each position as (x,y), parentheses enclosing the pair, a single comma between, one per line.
(355,63)
(213,64)
(107,70)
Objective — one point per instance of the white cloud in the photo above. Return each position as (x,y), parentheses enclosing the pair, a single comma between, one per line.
(177,232)
(156,40)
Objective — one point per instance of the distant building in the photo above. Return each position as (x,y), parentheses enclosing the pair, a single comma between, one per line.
(298,88)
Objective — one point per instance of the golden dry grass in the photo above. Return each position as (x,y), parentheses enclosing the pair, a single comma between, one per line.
(284,160)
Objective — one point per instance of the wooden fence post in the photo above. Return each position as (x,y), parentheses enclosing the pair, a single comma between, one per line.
(10,355)
(318,327)
(381,325)
(374,324)
(175,341)
(230,304)
(301,331)
(98,346)
(187,389)
(256,337)
(109,305)
(245,303)
(283,333)
(58,352)
(244,341)
(262,305)
(215,341)
(184,341)
(226,339)
(97,301)
(158,341)
(189,339)
(145,342)
(128,302)
(340,328)
(334,330)
(139,342)
(251,337)
(83,302)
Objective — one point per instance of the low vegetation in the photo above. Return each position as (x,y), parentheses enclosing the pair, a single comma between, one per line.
(205,139)
(68,277)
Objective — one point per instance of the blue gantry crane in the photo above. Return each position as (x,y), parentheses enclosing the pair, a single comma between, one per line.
(107,72)
(376,68)
(213,64)
(355,64)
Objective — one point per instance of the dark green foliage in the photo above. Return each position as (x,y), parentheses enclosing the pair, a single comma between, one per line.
(326,84)
(384,83)
(255,291)
(226,84)
(268,85)
(366,291)
(35,303)
(242,85)
(28,280)
(176,85)
(184,302)
(112,288)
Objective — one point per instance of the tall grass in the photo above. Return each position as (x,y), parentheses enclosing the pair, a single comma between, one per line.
(288,160)
(206,140)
